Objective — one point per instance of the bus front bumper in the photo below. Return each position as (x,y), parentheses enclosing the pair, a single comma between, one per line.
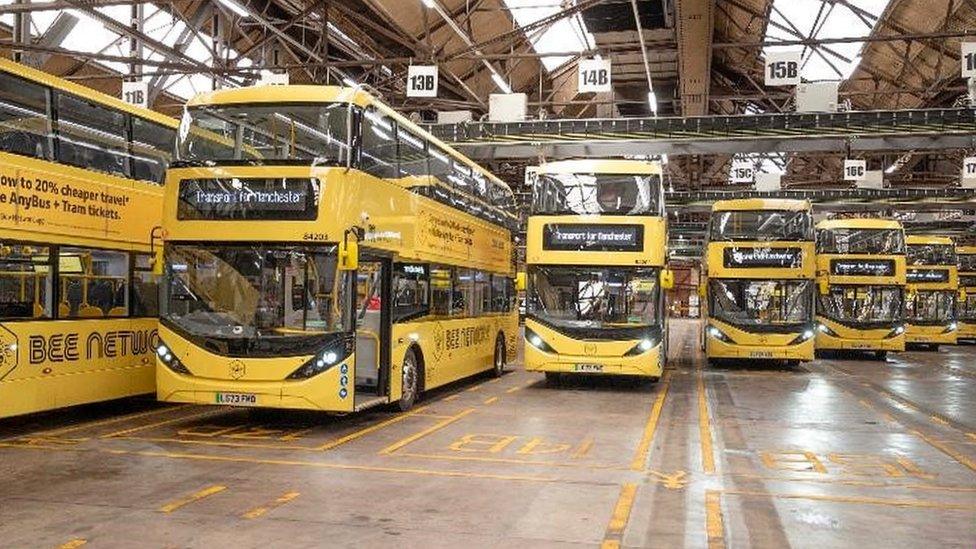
(930,335)
(324,392)
(715,348)
(647,364)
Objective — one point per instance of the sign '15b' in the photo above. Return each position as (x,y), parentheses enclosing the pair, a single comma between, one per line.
(783,68)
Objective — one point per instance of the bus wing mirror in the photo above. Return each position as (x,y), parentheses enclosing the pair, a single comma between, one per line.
(823,286)
(667,279)
(963,295)
(348,255)
(157,261)
(520,282)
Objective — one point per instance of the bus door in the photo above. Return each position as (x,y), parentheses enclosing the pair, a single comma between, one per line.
(373,282)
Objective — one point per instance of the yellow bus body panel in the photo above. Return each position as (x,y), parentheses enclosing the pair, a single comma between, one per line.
(608,356)
(753,345)
(55,364)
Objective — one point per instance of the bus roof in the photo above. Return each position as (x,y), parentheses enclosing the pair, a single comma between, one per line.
(750,204)
(600,165)
(326,94)
(47,79)
(859,223)
(923,239)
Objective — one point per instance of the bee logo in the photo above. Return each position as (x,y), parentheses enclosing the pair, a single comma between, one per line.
(8,352)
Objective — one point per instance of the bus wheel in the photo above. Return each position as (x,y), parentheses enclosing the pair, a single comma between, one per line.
(499,369)
(881,355)
(409,377)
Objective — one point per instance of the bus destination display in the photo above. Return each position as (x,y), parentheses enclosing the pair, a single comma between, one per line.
(593,238)
(241,199)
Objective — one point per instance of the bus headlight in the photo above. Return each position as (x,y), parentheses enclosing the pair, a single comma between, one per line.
(807,335)
(536,341)
(715,333)
(900,329)
(952,327)
(167,357)
(642,347)
(337,351)
(824,329)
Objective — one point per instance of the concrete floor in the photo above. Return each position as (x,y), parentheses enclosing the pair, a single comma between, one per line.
(838,453)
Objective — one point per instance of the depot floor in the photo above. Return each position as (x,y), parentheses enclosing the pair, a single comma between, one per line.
(844,452)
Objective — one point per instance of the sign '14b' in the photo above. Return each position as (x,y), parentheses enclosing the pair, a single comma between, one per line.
(594,76)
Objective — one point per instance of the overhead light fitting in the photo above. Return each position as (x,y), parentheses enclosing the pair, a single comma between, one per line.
(235,7)
(652,101)
(429,3)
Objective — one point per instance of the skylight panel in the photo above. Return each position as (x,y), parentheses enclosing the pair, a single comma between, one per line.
(820,20)
(566,34)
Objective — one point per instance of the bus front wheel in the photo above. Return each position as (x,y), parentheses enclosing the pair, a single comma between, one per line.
(499,360)
(881,355)
(409,377)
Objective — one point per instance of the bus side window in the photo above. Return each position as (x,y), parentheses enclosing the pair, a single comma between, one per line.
(482,293)
(94,283)
(410,291)
(499,291)
(462,298)
(25,127)
(25,281)
(412,154)
(145,287)
(152,149)
(91,136)
(379,147)
(440,290)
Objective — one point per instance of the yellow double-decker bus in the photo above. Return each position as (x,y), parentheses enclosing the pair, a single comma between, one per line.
(861,285)
(323,252)
(932,278)
(596,252)
(80,194)
(758,281)
(966,308)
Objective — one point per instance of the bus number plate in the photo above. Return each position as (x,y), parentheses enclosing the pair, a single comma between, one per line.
(587,367)
(237,399)
(760,354)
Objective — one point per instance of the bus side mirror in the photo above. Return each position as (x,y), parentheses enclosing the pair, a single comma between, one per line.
(157,261)
(348,255)
(823,286)
(667,279)
(520,282)
(963,295)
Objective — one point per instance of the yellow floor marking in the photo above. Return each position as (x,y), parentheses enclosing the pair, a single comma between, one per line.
(474,388)
(862,483)
(858,500)
(971,435)
(705,427)
(281,500)
(205,493)
(583,448)
(519,387)
(945,449)
(644,447)
(714,523)
(938,420)
(97,423)
(73,544)
(620,516)
(514,461)
(131,430)
(372,428)
(450,398)
(491,400)
(610,544)
(227,443)
(417,436)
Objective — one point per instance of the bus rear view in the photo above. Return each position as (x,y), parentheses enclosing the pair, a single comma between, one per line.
(758,284)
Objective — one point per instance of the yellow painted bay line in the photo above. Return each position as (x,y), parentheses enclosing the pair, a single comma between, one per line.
(705,427)
(129,431)
(491,400)
(911,503)
(97,423)
(278,502)
(513,461)
(372,428)
(714,523)
(644,446)
(417,436)
(620,516)
(197,496)
(73,544)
